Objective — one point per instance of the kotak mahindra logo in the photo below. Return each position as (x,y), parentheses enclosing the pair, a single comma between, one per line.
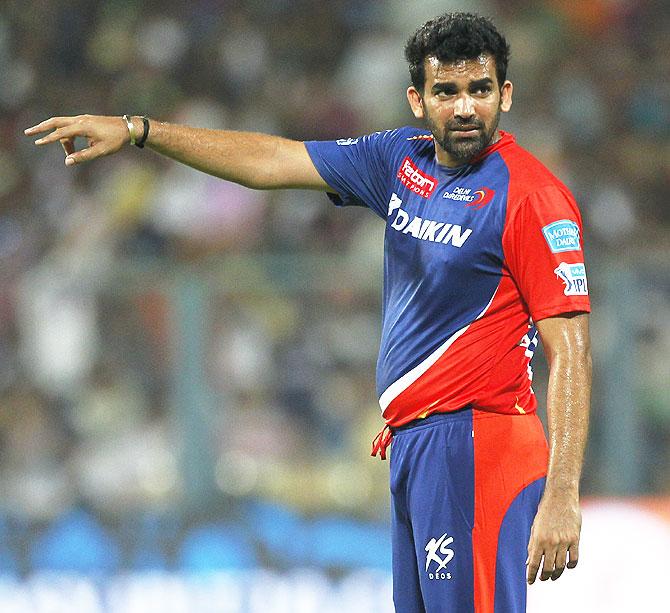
(416,180)
(476,199)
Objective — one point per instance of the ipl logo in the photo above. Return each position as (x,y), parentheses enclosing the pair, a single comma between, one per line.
(574,277)
(440,545)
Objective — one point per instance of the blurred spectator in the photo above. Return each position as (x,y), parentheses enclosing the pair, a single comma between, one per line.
(91,408)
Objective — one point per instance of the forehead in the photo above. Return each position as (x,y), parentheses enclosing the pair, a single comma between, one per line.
(481,67)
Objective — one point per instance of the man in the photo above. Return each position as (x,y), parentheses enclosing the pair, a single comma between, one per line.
(482,248)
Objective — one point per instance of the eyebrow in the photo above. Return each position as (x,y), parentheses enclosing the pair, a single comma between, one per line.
(482,82)
(472,85)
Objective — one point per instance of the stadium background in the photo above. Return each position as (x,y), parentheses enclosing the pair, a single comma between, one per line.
(186,366)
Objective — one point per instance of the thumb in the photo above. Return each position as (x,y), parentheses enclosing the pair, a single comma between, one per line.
(68,145)
(85,155)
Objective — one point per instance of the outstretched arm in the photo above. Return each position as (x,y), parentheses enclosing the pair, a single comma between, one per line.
(557,525)
(260,161)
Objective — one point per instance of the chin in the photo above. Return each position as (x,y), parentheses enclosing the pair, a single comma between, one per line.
(466,147)
(465,152)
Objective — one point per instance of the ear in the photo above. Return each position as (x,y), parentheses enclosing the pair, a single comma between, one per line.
(506,96)
(415,101)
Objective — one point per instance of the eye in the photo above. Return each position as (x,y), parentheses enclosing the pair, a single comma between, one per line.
(482,90)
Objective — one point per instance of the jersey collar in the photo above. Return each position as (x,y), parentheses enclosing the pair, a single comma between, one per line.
(505,139)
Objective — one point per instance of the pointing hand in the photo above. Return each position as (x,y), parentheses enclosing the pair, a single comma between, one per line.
(105,135)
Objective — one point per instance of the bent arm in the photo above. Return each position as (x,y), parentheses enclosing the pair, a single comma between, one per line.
(260,161)
(557,525)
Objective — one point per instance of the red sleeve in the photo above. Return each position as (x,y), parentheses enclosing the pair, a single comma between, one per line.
(542,244)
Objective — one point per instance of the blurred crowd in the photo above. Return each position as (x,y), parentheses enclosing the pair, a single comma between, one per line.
(169,340)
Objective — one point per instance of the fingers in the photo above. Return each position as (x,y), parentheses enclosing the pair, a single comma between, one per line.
(554,536)
(534,559)
(65,132)
(559,563)
(49,124)
(574,555)
(105,135)
(548,566)
(552,559)
(548,561)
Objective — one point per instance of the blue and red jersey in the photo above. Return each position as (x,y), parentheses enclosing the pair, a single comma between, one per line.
(473,256)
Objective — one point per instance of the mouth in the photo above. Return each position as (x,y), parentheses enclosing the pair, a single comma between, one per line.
(466,130)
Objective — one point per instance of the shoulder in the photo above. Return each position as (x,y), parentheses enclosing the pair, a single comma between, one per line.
(531,183)
(399,136)
(410,134)
(392,146)
(527,173)
(414,143)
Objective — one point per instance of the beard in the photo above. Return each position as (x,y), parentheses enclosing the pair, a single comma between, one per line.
(463,148)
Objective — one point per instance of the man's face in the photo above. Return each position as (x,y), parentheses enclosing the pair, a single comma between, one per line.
(461,104)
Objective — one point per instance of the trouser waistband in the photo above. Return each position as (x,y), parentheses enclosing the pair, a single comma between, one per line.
(383,439)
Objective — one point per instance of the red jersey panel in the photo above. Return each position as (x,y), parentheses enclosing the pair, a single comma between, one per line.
(472,257)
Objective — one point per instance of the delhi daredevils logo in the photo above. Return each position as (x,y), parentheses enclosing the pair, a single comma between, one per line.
(482,197)
(473,198)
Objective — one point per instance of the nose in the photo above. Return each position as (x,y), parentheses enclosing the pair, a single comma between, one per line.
(464,106)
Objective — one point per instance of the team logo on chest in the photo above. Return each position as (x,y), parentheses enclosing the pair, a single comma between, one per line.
(477,198)
(416,180)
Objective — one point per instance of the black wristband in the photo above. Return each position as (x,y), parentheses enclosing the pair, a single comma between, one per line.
(143,139)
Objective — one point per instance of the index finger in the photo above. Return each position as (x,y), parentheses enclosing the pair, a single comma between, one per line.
(49,124)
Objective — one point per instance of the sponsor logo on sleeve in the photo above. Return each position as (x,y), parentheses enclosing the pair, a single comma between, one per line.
(475,198)
(344,142)
(574,278)
(416,180)
(562,235)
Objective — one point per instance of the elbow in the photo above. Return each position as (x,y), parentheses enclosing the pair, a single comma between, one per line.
(566,338)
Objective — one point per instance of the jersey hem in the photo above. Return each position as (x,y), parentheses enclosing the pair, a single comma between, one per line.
(560,309)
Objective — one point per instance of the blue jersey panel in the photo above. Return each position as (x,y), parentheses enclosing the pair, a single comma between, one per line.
(443,245)
(443,262)
(357,168)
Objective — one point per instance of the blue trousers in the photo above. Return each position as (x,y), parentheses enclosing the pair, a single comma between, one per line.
(465,487)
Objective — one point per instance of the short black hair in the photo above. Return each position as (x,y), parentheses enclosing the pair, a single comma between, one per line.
(455,36)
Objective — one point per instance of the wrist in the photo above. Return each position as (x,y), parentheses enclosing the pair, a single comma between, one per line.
(138,129)
(131,129)
(562,489)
